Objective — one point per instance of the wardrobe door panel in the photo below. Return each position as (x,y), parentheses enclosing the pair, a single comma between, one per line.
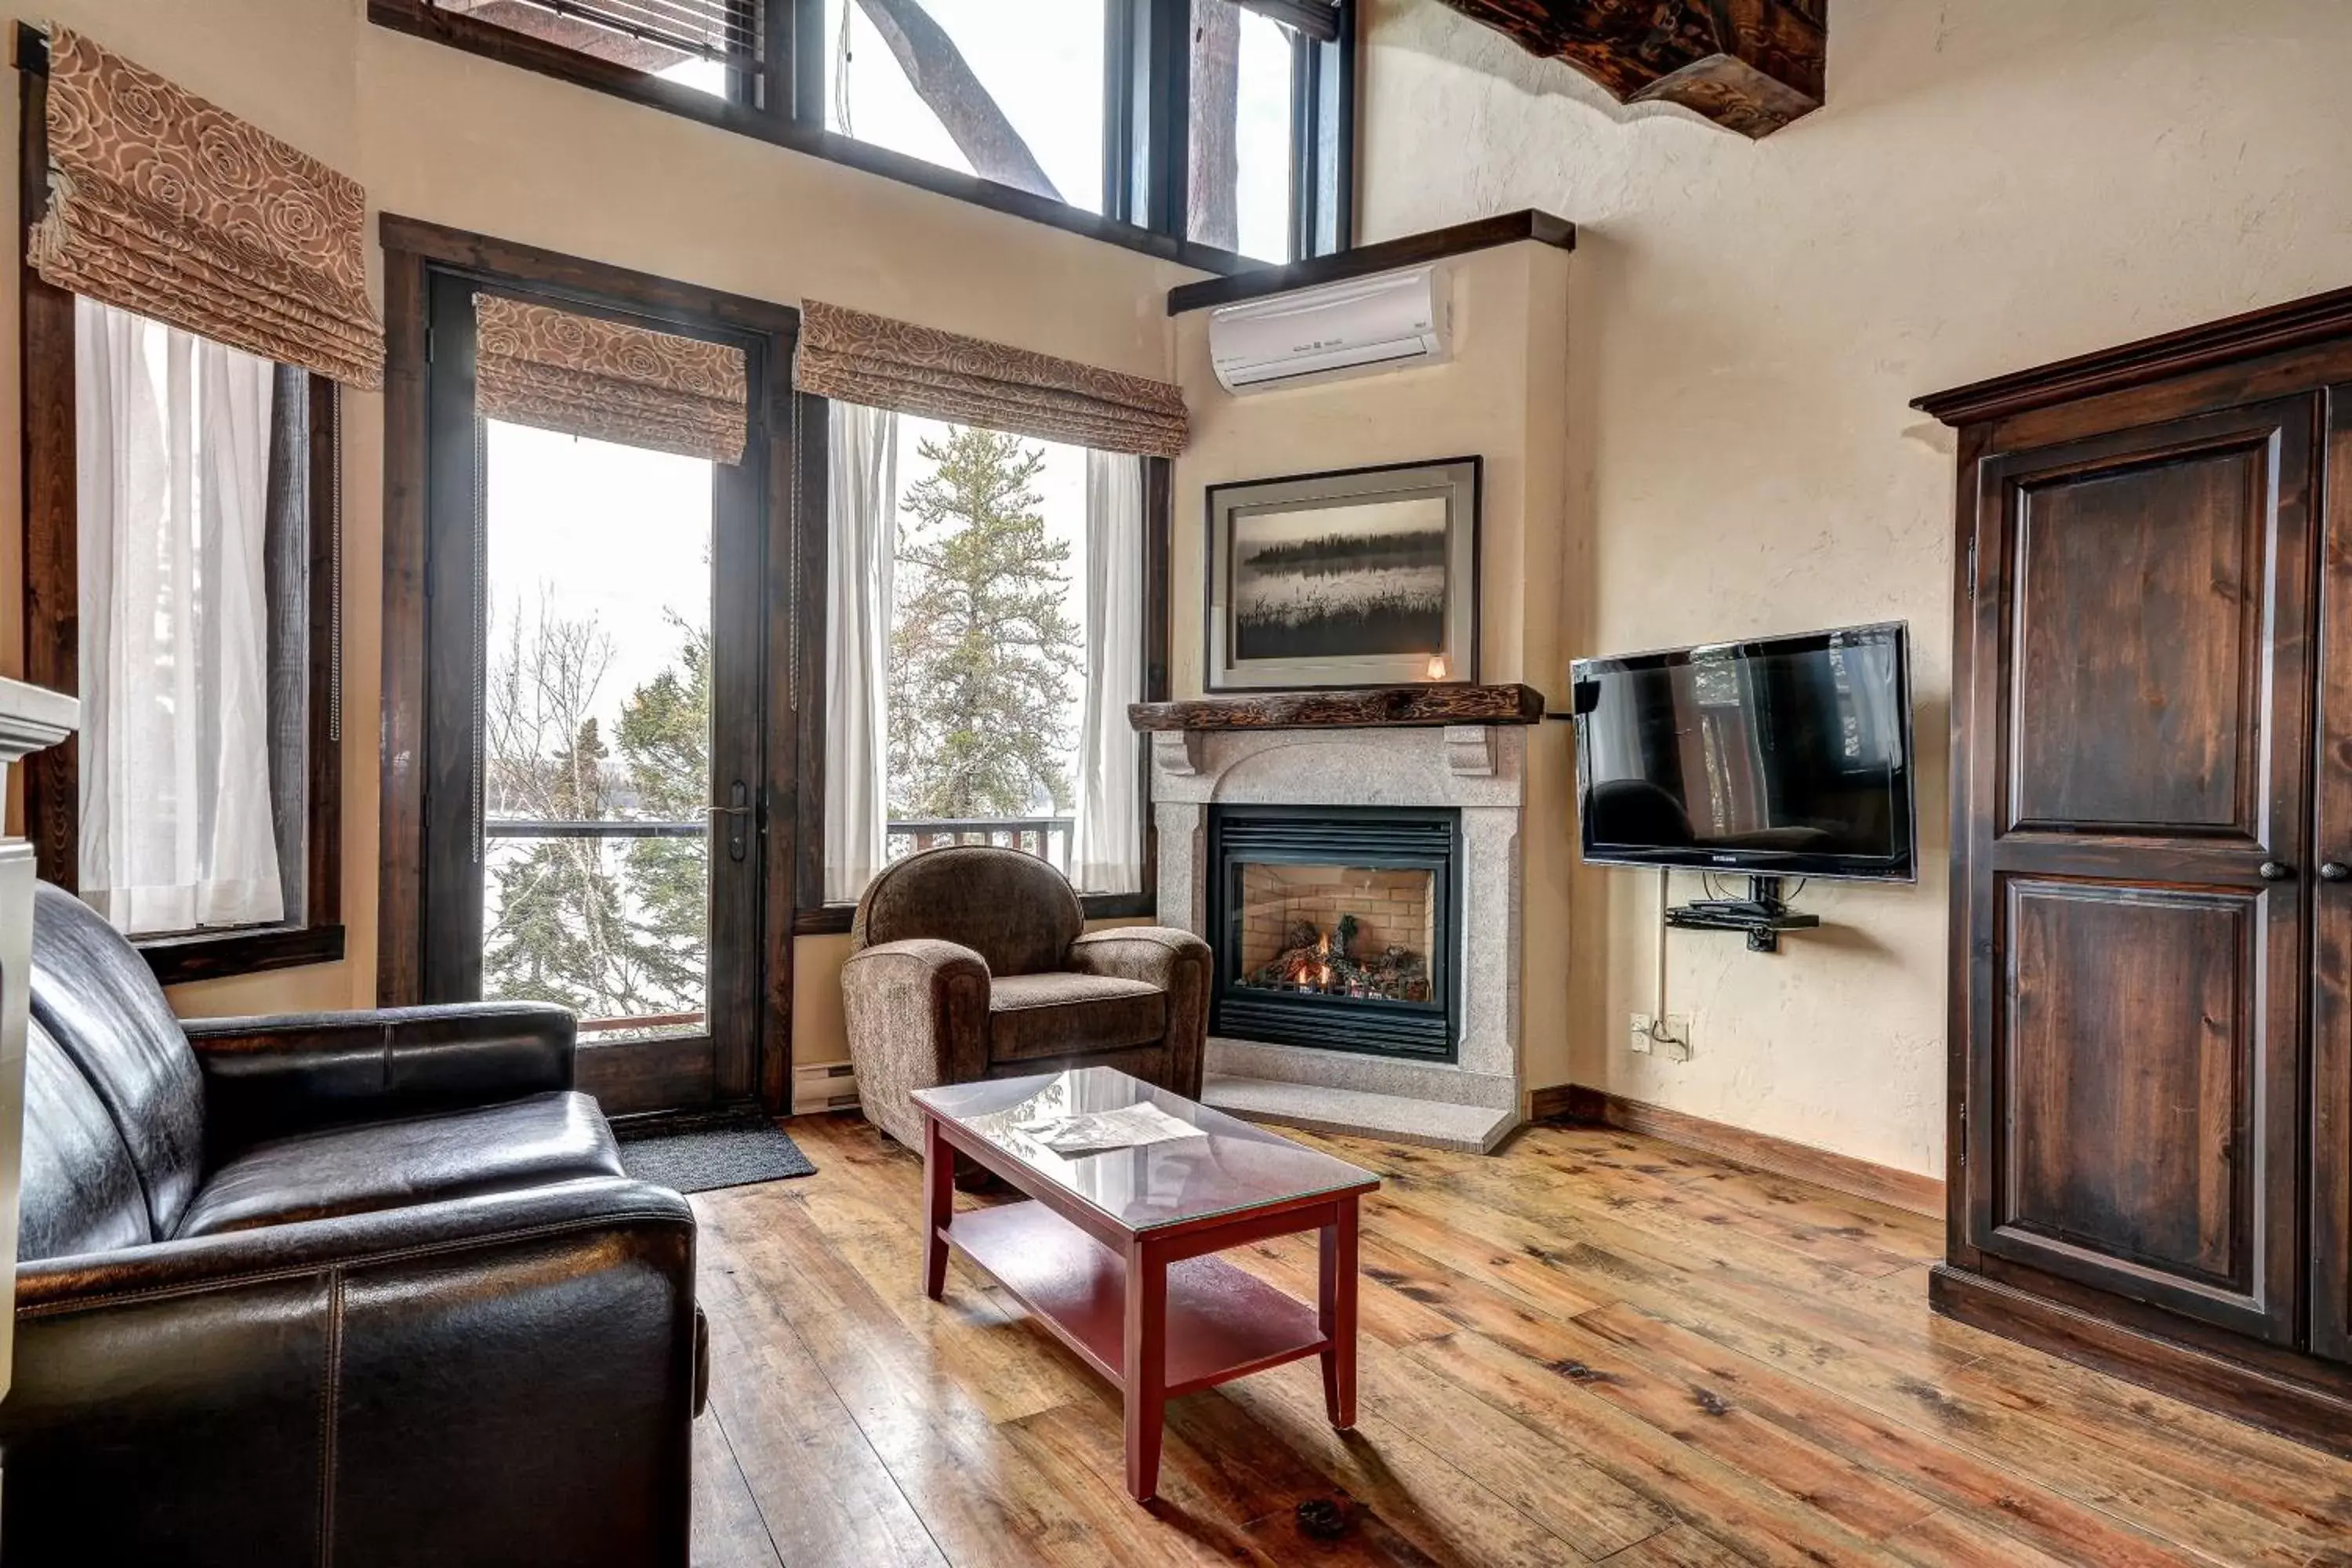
(2331,973)
(2140,647)
(2137,799)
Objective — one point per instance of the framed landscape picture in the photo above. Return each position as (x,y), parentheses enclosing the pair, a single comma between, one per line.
(1366,577)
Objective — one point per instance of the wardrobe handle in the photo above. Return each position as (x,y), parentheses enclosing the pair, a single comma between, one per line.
(2334,871)
(2274,871)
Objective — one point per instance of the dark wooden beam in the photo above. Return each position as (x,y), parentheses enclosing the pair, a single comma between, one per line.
(1751,66)
(1375,707)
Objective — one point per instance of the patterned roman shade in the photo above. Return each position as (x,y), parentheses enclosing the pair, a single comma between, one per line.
(161,204)
(584,375)
(883,364)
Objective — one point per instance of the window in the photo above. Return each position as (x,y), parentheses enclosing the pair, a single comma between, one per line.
(710,45)
(194,539)
(1253,183)
(1225,125)
(985,639)
(596,730)
(947,81)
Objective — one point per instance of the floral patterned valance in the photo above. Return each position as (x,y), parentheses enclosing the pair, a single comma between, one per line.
(162,204)
(907,369)
(584,375)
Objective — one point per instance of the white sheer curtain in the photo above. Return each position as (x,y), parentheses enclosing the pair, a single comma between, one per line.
(172,470)
(862,530)
(1106,840)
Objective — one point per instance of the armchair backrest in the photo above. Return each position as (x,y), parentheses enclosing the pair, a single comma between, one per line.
(1013,909)
(95,997)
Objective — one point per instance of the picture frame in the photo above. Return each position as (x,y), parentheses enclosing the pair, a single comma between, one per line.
(1353,577)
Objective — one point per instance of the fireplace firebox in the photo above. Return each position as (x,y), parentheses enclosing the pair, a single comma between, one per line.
(1337,927)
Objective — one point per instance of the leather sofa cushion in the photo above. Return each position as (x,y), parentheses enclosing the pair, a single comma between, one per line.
(1062,1014)
(78,1191)
(1013,909)
(522,1144)
(99,1001)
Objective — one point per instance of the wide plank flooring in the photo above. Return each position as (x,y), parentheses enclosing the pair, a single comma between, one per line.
(1592,1348)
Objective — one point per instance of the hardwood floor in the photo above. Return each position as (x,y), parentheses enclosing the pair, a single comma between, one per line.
(1595,1347)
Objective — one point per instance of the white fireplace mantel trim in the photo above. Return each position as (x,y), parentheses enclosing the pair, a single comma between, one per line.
(1479,770)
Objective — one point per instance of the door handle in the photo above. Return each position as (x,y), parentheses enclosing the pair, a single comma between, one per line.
(738,812)
(2334,871)
(2275,871)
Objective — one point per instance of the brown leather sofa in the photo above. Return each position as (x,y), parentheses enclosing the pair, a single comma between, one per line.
(361,1288)
(971,963)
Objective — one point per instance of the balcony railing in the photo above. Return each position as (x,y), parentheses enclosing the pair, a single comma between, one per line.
(617,827)
(1048,837)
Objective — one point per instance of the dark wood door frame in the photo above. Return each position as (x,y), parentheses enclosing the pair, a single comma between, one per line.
(756,1063)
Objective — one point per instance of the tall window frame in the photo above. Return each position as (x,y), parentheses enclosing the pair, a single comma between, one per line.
(305,633)
(812,914)
(1145,114)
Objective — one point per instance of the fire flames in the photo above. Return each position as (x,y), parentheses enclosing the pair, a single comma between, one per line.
(1321,959)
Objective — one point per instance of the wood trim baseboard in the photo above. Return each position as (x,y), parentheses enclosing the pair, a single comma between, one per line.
(2289,1406)
(1905,1190)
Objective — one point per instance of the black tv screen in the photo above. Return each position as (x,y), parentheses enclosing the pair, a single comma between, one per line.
(1785,756)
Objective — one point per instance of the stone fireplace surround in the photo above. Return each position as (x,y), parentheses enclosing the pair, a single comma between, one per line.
(1479,770)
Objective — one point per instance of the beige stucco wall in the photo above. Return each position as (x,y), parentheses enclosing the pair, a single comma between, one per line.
(1501,396)
(1993,185)
(441,135)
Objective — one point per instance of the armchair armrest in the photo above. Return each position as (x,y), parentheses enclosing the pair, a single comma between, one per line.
(1177,962)
(918,1017)
(271,1077)
(1157,955)
(486,1379)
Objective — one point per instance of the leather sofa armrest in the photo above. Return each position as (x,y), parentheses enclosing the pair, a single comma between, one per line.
(918,1017)
(270,1076)
(1177,962)
(502,1378)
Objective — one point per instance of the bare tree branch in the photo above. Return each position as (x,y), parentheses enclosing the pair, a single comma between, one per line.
(943,80)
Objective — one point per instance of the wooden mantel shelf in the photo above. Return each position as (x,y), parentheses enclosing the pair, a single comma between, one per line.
(1373,708)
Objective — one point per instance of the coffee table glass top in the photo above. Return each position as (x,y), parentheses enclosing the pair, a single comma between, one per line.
(1232,1165)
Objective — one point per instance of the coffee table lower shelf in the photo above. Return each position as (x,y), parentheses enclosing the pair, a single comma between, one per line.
(1222,1324)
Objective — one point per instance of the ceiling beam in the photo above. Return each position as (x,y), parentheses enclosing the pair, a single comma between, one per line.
(1751,66)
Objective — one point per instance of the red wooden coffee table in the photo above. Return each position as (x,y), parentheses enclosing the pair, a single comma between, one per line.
(1111,1254)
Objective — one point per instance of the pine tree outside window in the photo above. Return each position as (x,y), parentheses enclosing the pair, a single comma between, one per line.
(987,638)
(986,648)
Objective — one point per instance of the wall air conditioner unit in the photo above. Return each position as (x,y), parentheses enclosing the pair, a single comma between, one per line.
(1355,327)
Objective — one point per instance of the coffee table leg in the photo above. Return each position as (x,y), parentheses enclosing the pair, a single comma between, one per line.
(1145,1365)
(1336,1314)
(938,1207)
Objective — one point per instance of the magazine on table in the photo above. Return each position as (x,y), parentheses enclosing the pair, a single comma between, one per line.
(1100,1132)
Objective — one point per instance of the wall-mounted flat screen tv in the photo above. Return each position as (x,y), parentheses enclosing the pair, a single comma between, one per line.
(1784,756)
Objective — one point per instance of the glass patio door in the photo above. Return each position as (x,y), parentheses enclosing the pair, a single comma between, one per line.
(591,818)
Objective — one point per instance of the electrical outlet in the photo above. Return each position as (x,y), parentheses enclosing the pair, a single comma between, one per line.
(1642,1039)
(1673,1033)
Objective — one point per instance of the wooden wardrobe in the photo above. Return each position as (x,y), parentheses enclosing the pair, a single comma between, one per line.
(2150,1164)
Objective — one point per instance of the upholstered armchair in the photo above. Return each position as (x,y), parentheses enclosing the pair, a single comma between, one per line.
(971,963)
